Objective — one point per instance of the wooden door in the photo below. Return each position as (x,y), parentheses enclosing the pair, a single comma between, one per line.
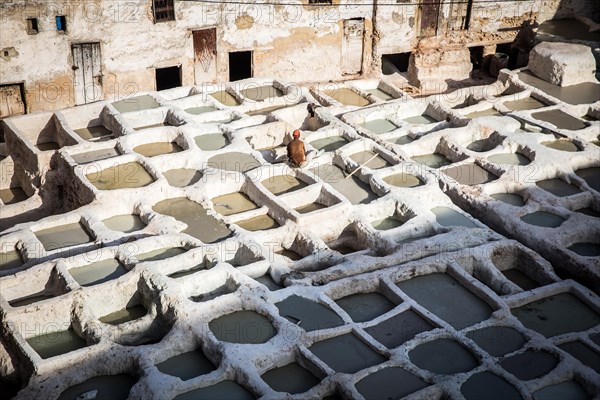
(11,101)
(88,73)
(352,46)
(205,55)
(429,10)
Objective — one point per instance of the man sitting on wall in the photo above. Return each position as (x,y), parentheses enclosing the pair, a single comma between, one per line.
(296,151)
(522,45)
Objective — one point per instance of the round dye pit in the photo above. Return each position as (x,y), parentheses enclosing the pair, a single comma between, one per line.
(242,327)
(543,219)
(443,356)
(181,177)
(403,180)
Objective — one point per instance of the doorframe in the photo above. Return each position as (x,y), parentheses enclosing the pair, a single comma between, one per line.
(216,28)
(363,55)
(251,63)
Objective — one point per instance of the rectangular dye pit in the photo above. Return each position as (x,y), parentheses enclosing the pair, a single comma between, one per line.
(262,92)
(138,103)
(10,260)
(94,133)
(346,353)
(200,225)
(123,176)
(125,315)
(347,97)
(355,190)
(62,236)
(281,184)
(225,98)
(370,160)
(557,314)
(56,343)
(445,297)
(233,203)
(98,272)
(330,143)
(13,195)
(379,126)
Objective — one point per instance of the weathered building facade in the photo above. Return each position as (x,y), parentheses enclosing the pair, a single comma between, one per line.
(62,53)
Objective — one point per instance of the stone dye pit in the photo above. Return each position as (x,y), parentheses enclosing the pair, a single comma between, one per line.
(431,247)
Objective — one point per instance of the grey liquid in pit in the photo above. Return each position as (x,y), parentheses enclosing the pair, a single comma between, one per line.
(420,119)
(187,365)
(10,260)
(557,314)
(509,159)
(200,110)
(307,314)
(379,126)
(346,353)
(330,143)
(583,353)
(509,198)
(382,95)
(181,177)
(543,219)
(562,145)
(94,155)
(125,315)
(347,97)
(233,203)
(530,364)
(404,139)
(585,249)
(434,160)
(582,93)
(403,180)
(352,188)
(160,254)
(489,386)
(98,272)
(591,176)
(262,92)
(200,225)
(470,174)
(482,145)
(56,343)
(558,187)
(569,28)
(225,98)
(245,327)
(310,208)
(397,330)
(527,103)
(122,176)
(225,390)
(497,340)
(443,356)
(281,184)
(125,223)
(566,390)
(520,279)
(290,378)
(108,387)
(12,195)
(560,119)
(389,383)
(262,222)
(386,224)
(138,103)
(362,307)
(62,236)
(375,163)
(447,298)
(156,149)
(490,112)
(98,132)
(212,141)
(233,161)
(448,217)
(269,282)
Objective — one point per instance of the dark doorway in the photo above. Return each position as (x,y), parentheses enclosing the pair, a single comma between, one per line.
(240,65)
(476,56)
(392,62)
(167,78)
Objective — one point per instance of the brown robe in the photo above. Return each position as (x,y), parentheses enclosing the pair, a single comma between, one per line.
(296,152)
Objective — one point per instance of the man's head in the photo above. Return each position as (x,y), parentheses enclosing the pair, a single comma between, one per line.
(296,134)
